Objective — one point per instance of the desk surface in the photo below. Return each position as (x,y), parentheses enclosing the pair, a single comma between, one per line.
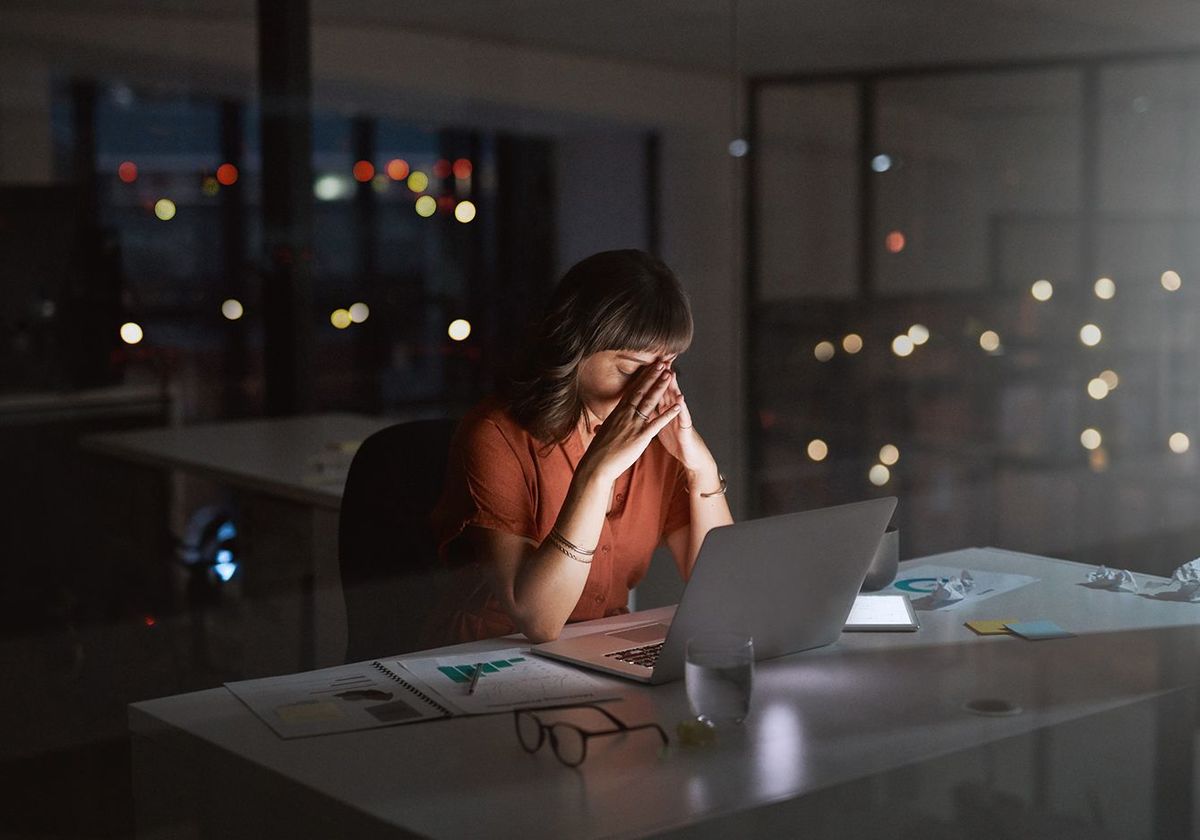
(864,706)
(303,459)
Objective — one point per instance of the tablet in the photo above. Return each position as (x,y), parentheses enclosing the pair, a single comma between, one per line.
(881,612)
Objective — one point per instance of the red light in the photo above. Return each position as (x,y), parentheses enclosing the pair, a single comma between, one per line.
(446,203)
(894,242)
(462,169)
(227,174)
(149,621)
(127,172)
(364,171)
(397,169)
(442,168)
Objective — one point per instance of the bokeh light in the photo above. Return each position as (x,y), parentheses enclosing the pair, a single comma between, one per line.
(1090,438)
(359,312)
(464,211)
(418,181)
(989,340)
(1179,443)
(463,169)
(889,454)
(738,148)
(824,351)
(902,345)
(919,333)
(881,163)
(1105,288)
(426,206)
(894,242)
(127,171)
(364,171)
(1171,281)
(1090,335)
(232,309)
(340,318)
(209,186)
(131,333)
(459,329)
(442,168)
(1097,389)
(1042,290)
(879,475)
(397,169)
(227,174)
(852,343)
(331,187)
(817,449)
(164,208)
(1110,379)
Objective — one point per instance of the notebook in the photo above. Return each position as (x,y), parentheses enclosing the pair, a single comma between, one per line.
(787,581)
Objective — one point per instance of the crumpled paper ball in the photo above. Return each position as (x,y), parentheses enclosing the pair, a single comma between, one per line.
(1118,580)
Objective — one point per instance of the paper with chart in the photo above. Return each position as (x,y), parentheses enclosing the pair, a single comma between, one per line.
(510,679)
(947,587)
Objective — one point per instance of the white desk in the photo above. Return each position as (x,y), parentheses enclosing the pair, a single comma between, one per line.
(867,737)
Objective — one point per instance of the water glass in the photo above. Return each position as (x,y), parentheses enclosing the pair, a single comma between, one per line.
(719,674)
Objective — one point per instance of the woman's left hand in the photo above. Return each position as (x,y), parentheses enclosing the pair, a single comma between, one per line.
(680,436)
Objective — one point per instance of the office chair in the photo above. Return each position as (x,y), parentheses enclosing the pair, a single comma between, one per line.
(386,548)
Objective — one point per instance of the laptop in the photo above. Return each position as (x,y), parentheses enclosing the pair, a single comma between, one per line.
(788,581)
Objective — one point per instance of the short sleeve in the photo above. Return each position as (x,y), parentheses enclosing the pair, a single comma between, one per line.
(679,504)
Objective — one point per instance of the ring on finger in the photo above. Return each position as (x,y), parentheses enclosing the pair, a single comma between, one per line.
(645,417)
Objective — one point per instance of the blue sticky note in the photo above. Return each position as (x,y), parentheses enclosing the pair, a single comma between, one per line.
(1035,630)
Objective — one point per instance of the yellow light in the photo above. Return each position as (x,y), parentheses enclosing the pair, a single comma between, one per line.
(209,186)
(1171,281)
(1179,443)
(824,351)
(1090,335)
(340,318)
(1105,288)
(418,181)
(889,454)
(1097,389)
(164,208)
(232,309)
(131,333)
(852,343)
(902,345)
(359,312)
(1110,379)
(1090,438)
(459,329)
(464,211)
(1042,290)
(426,206)
(817,450)
(989,340)
(919,333)
(879,475)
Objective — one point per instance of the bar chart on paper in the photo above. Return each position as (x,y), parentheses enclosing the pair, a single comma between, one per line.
(508,680)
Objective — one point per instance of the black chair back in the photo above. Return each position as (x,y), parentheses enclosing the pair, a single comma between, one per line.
(386,550)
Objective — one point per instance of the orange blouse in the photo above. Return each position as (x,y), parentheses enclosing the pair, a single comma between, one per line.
(501,477)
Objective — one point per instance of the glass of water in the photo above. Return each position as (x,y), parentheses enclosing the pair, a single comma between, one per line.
(719,674)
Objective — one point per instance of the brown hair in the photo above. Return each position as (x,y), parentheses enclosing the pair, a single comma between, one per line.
(613,300)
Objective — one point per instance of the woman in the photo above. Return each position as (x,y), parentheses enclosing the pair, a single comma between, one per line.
(556,497)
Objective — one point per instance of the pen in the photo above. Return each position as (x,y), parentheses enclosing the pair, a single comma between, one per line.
(475,678)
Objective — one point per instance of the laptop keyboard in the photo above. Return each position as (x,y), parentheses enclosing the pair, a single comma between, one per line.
(644,656)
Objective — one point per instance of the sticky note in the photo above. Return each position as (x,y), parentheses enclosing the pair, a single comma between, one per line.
(997,627)
(1035,630)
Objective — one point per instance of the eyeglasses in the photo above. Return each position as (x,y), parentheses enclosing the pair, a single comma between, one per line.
(569,741)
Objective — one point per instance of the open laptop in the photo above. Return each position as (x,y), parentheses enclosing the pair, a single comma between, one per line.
(788,581)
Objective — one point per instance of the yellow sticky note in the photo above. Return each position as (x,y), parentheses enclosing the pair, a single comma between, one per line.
(308,712)
(991,628)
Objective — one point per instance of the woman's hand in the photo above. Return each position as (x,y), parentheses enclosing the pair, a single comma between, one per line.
(682,440)
(628,429)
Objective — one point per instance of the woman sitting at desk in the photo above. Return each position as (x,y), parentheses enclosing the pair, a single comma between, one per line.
(556,497)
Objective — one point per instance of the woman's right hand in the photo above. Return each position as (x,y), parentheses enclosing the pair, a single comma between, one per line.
(632,424)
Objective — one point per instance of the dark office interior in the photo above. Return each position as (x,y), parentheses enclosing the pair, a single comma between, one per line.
(943,252)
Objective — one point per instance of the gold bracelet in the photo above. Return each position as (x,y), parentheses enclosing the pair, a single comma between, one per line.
(719,491)
(567,548)
(559,535)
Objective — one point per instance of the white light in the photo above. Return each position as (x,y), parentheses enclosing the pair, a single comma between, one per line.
(738,148)
(817,450)
(881,163)
(232,309)
(1042,290)
(332,187)
(1179,443)
(464,211)
(989,340)
(359,312)
(902,345)
(889,454)
(1171,281)
(131,333)
(919,333)
(824,351)
(1105,288)
(1090,438)
(225,570)
(459,329)
(879,475)
(1110,379)
(1097,389)
(1090,335)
